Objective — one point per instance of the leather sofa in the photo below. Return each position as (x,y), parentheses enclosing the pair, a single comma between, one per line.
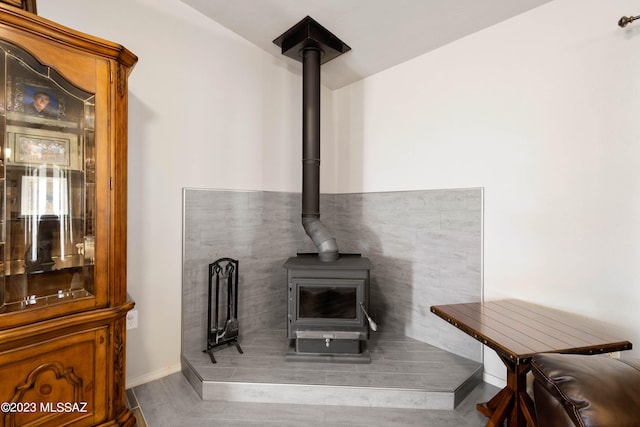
(586,391)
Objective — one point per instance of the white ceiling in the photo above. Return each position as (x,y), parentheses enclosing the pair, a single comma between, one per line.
(381,33)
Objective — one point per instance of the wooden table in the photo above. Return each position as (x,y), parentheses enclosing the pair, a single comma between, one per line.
(517,330)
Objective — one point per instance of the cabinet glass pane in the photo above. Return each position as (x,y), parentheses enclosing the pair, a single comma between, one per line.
(47,182)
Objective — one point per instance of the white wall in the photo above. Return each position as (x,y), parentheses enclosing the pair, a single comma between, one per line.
(542,111)
(207,109)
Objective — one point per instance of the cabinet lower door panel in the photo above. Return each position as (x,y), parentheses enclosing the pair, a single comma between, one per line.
(54,383)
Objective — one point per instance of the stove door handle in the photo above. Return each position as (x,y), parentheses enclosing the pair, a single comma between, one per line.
(372,324)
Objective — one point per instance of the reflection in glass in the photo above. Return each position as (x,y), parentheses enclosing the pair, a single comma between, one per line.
(47,176)
(327,302)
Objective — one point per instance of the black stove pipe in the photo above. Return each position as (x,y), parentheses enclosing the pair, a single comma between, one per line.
(315,229)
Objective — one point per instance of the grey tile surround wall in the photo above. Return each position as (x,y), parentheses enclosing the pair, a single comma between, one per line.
(426,247)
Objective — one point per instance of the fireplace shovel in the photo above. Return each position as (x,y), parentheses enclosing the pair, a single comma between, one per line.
(230,329)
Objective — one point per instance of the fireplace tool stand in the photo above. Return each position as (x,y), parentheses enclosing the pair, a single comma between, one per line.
(227,333)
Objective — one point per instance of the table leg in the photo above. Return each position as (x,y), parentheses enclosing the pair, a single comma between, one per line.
(489,408)
(512,402)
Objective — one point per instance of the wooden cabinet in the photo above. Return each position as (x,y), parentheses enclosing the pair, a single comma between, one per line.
(63,211)
(28,5)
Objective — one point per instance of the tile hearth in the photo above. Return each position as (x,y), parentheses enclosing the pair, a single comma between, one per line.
(404,373)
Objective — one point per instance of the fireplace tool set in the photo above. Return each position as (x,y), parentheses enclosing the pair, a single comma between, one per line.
(219,334)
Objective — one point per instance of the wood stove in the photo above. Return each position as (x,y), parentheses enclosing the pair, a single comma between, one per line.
(328,292)
(327,306)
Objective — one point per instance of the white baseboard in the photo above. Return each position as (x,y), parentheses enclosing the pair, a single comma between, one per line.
(494,381)
(152,376)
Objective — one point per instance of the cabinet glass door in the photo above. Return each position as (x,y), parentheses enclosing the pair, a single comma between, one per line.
(47,185)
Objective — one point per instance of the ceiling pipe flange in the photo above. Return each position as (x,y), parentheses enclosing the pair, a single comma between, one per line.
(307,34)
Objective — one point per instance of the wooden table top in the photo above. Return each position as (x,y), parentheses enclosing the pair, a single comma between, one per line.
(517,329)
